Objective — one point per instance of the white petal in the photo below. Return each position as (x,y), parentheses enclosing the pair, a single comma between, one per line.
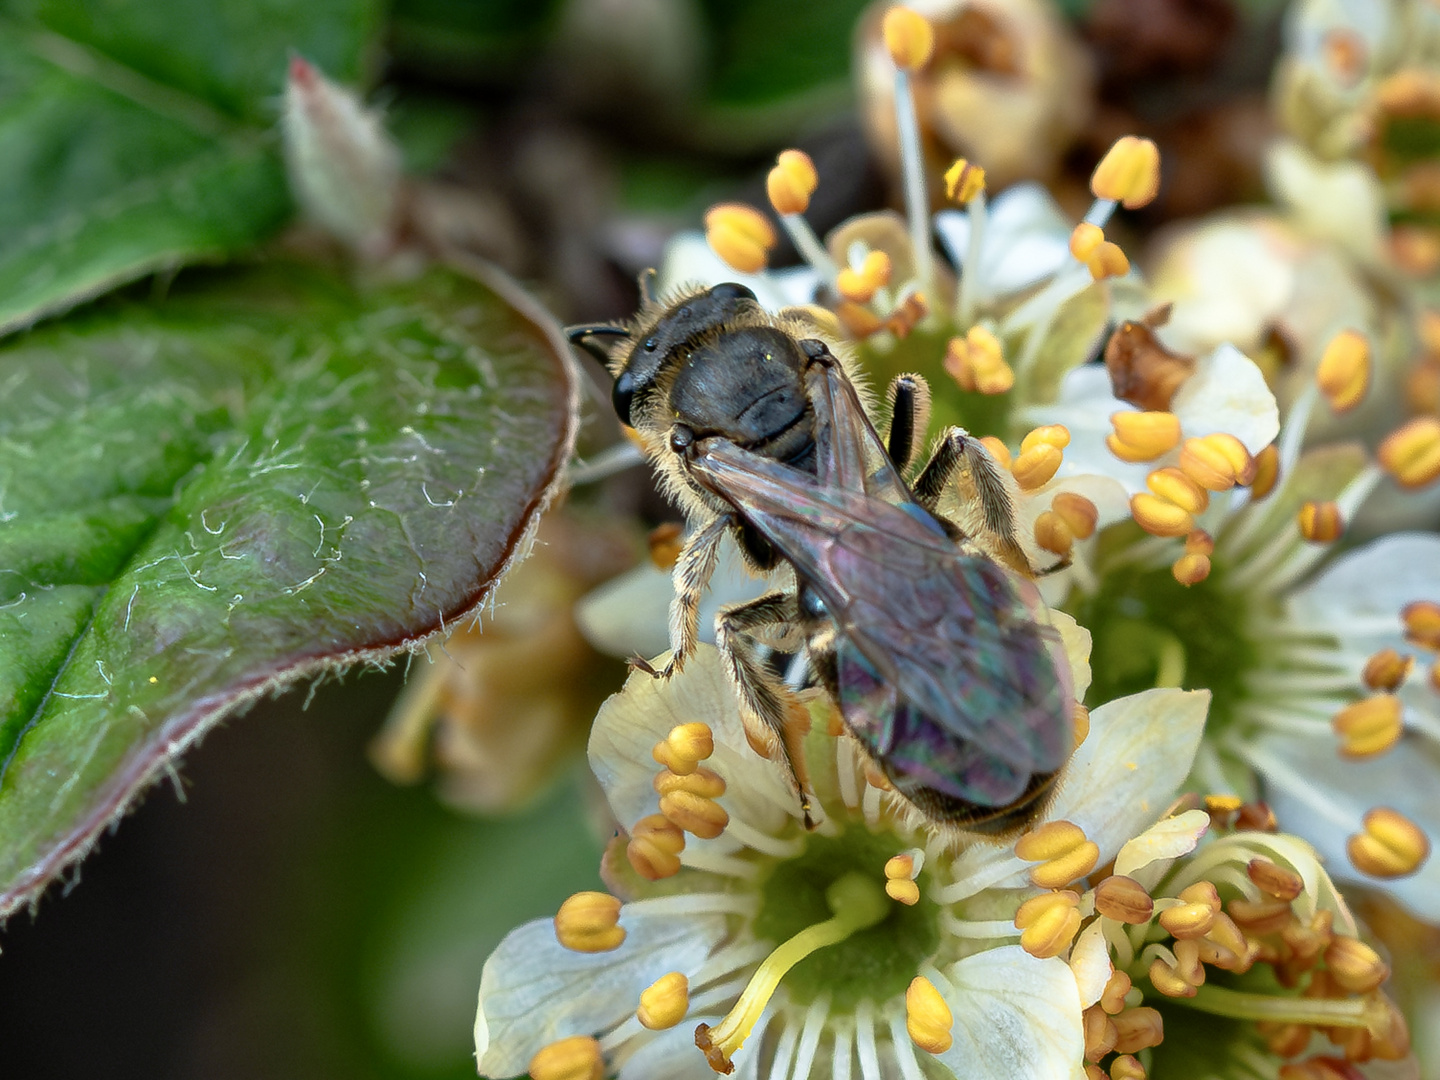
(1077,651)
(1331,200)
(1129,767)
(631,722)
(690,260)
(1161,843)
(1015,1017)
(1358,598)
(1090,963)
(534,990)
(1228,393)
(672,1054)
(1027,239)
(1322,798)
(1085,406)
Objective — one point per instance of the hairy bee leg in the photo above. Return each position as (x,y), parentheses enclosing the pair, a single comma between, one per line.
(692,573)
(957,451)
(766,704)
(909,398)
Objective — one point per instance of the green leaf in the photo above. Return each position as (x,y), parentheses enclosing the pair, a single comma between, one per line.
(267,475)
(138,137)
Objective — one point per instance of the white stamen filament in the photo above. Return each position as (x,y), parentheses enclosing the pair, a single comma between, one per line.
(784,1050)
(985,929)
(865,1041)
(763,842)
(1100,211)
(970,272)
(840,1061)
(912,165)
(1292,438)
(1308,555)
(809,246)
(815,1018)
(845,771)
(697,857)
(871,805)
(1002,866)
(902,1046)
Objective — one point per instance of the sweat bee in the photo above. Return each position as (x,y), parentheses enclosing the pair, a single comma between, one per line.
(937,655)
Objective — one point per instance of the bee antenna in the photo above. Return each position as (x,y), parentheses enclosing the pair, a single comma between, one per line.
(580,335)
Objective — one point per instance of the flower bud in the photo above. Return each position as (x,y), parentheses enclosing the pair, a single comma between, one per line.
(791,182)
(587,922)
(575,1058)
(1344,372)
(909,38)
(927,1018)
(1129,173)
(1411,454)
(741,235)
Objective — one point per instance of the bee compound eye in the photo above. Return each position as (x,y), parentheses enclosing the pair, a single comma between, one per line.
(731,290)
(681,437)
(622,395)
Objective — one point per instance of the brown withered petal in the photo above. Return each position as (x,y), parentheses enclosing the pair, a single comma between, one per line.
(1142,371)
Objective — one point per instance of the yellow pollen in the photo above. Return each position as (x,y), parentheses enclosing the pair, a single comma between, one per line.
(856,903)
(1036,467)
(1127,1067)
(1274,879)
(1411,454)
(860,285)
(1369,727)
(1422,624)
(1080,716)
(1344,372)
(575,1058)
(1174,486)
(664,1002)
(903,890)
(1355,966)
(1079,514)
(741,235)
(977,363)
(587,922)
(1223,804)
(1100,1033)
(1112,998)
(704,782)
(1123,899)
(909,38)
(998,450)
(927,1018)
(1048,923)
(695,814)
(1107,261)
(1143,436)
(1139,1030)
(963,181)
(665,545)
(1187,920)
(1217,462)
(1191,568)
(1160,517)
(1062,850)
(1387,670)
(1267,471)
(791,182)
(685,747)
(1391,846)
(1052,534)
(1129,173)
(1085,239)
(1320,522)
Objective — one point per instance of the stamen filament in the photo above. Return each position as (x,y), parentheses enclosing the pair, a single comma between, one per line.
(606,463)
(912,163)
(1324,1012)
(857,902)
(965,304)
(985,929)
(1100,211)
(809,246)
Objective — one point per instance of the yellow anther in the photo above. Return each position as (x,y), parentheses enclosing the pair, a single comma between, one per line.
(1199,542)
(1187,920)
(650,860)
(1274,879)
(900,866)
(1191,568)
(685,747)
(1174,486)
(1202,892)
(660,830)
(1308,941)
(575,1058)
(1052,534)
(1411,454)
(1320,522)
(1344,372)
(1267,471)
(695,814)
(1056,435)
(998,450)
(665,543)
(1035,468)
(1123,899)
(1143,436)
(703,782)
(1107,261)
(1080,717)
(860,285)
(927,1017)
(664,1002)
(909,37)
(1422,624)
(587,922)
(1435,676)
(1285,1040)
(791,182)
(1112,998)
(1391,846)
(1129,173)
(1168,981)
(1048,923)
(1139,1029)
(1355,966)
(1222,804)
(1256,817)
(1266,916)
(741,235)
(1062,851)
(1094,1072)
(1079,514)
(1217,462)
(1370,726)
(1160,517)
(903,890)
(859,322)
(1387,670)
(877,779)
(963,181)
(1127,1067)
(977,363)
(1100,1033)
(1085,239)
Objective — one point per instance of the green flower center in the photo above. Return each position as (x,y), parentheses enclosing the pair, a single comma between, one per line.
(1148,630)
(924,351)
(875,963)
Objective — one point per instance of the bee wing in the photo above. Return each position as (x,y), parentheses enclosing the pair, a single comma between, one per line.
(955,634)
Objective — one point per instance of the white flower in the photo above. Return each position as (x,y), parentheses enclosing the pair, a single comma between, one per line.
(719,914)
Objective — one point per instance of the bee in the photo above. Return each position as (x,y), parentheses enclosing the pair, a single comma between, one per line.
(937,653)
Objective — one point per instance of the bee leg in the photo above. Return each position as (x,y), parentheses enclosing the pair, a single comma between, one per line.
(775,722)
(909,397)
(959,452)
(692,573)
